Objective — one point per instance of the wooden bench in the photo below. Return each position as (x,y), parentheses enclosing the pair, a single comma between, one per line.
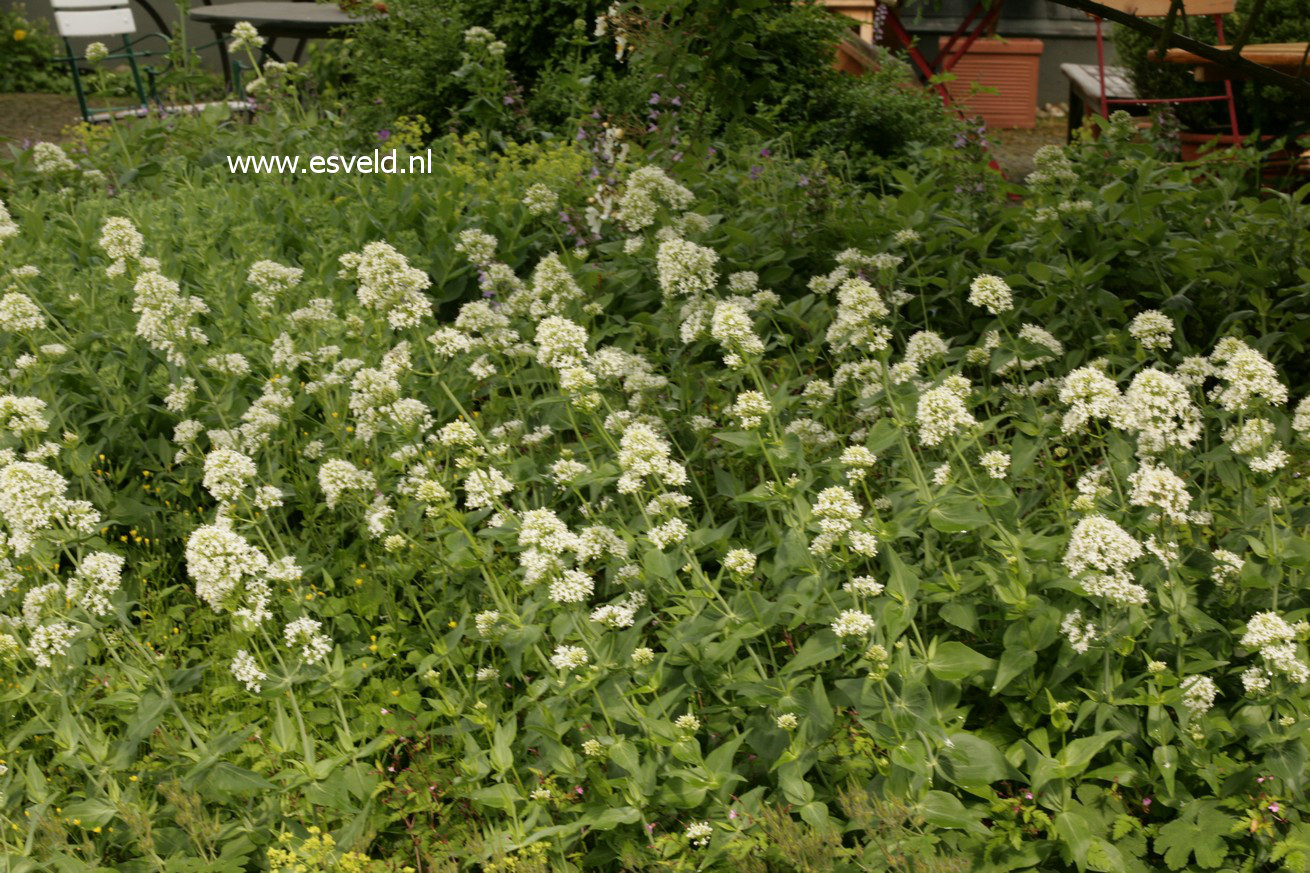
(1085,90)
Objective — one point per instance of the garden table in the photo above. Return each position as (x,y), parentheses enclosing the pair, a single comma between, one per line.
(274,19)
(980,20)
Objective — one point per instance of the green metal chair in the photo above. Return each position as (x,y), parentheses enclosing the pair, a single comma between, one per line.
(106,19)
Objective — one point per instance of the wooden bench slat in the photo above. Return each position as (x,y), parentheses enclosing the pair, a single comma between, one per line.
(1086,80)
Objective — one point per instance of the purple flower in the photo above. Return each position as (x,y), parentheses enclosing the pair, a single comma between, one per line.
(764,153)
(961,141)
(654,99)
(1146,802)
(803,182)
(582,135)
(732,814)
(384,135)
(711,152)
(652,128)
(677,156)
(676,101)
(508,100)
(755,171)
(1274,808)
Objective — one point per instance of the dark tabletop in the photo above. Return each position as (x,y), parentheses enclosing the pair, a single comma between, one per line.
(275,17)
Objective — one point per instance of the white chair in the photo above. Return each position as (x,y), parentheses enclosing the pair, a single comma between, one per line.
(103,19)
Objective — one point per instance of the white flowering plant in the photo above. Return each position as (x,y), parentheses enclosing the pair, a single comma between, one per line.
(686,551)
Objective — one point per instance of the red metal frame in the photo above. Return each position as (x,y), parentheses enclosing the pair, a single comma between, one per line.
(949,55)
(1107,102)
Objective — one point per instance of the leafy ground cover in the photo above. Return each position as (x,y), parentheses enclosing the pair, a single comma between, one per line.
(563,510)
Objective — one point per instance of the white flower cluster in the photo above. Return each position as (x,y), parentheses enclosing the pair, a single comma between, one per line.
(303,633)
(18,314)
(991,293)
(1275,639)
(388,284)
(1081,634)
(8,227)
(1157,408)
(1099,554)
(98,576)
(227,473)
(1254,440)
(854,326)
(1199,693)
(750,409)
(645,458)
(839,518)
(229,573)
(337,477)
(1090,395)
(22,415)
(996,463)
(853,623)
(1247,376)
(246,670)
(646,189)
(685,269)
(567,658)
(739,562)
(941,412)
(32,501)
(1153,329)
(540,200)
(271,280)
(167,316)
(1160,488)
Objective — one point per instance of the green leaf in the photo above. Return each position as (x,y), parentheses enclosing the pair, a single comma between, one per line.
(229,777)
(957,514)
(1014,663)
(502,755)
(500,796)
(823,646)
(946,811)
(92,813)
(954,661)
(1198,831)
(1166,759)
(974,762)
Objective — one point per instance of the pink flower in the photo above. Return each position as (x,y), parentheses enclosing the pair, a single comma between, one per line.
(1274,808)
(386,711)
(578,788)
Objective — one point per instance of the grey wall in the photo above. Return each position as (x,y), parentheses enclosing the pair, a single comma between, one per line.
(1068,36)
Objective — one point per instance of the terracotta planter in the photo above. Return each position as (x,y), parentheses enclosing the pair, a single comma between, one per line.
(1010,66)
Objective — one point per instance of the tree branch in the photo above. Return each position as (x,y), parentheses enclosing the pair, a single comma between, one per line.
(1226,59)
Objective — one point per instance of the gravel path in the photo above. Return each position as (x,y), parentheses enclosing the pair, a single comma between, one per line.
(36,117)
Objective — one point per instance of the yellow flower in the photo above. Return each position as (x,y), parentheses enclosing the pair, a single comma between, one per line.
(20,35)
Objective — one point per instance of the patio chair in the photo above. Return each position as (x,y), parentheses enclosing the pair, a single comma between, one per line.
(105,19)
(1105,86)
(96,19)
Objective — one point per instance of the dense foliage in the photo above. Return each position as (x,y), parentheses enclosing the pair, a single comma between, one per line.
(551,512)
(666,72)
(27,53)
